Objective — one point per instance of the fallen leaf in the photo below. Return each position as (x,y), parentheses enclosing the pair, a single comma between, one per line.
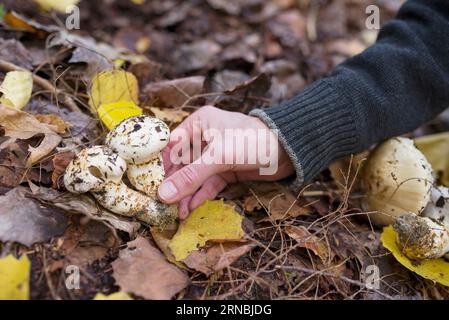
(173,93)
(13,51)
(307,240)
(16,88)
(54,122)
(111,87)
(279,203)
(21,125)
(162,239)
(217,257)
(433,269)
(113,296)
(245,96)
(96,62)
(436,149)
(169,115)
(196,55)
(26,221)
(213,220)
(60,161)
(86,205)
(58,5)
(14,278)
(142,270)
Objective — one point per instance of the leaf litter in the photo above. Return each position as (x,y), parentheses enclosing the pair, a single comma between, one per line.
(236,55)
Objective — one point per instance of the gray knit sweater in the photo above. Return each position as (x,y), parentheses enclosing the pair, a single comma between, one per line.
(391,88)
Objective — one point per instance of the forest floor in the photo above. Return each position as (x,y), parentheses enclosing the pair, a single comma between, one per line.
(236,55)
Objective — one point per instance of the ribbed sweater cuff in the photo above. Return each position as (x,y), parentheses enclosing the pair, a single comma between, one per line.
(315,127)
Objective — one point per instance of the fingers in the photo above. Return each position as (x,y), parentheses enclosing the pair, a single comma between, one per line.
(208,191)
(187,180)
(183,207)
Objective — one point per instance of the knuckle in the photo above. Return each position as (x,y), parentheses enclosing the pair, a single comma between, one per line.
(189,176)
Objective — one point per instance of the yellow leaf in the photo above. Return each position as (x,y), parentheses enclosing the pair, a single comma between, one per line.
(113,86)
(14,278)
(138,2)
(213,220)
(16,89)
(113,296)
(111,114)
(436,149)
(58,5)
(432,269)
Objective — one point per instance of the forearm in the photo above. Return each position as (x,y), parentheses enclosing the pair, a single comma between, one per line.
(391,88)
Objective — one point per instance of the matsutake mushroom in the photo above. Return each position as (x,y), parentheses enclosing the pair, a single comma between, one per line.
(426,237)
(99,170)
(397,179)
(139,141)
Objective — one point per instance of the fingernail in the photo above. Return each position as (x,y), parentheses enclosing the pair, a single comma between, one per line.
(167,190)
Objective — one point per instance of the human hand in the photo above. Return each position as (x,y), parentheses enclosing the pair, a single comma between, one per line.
(212,148)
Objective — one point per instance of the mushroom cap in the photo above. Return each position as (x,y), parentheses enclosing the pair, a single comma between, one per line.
(421,237)
(92,167)
(139,139)
(397,179)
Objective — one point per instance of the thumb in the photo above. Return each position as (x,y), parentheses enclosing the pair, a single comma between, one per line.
(187,180)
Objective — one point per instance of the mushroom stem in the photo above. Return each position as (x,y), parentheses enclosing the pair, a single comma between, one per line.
(421,237)
(99,170)
(147,177)
(122,200)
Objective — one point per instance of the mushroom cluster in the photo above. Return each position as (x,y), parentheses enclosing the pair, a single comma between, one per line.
(133,147)
(399,189)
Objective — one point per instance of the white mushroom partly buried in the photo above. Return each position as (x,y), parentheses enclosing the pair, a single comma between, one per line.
(99,170)
(398,184)
(397,179)
(139,141)
(426,236)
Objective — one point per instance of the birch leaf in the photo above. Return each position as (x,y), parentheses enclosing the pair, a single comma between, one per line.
(14,278)
(113,296)
(213,220)
(16,89)
(57,5)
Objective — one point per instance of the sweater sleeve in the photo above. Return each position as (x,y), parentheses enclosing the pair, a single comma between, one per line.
(391,88)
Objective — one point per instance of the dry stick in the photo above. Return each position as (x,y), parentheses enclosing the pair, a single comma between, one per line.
(43,83)
(330,274)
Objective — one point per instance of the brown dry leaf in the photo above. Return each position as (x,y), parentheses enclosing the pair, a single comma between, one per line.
(84,244)
(307,240)
(53,122)
(142,270)
(217,257)
(13,51)
(279,203)
(169,115)
(162,239)
(173,93)
(21,125)
(346,169)
(244,96)
(346,47)
(196,55)
(86,205)
(60,161)
(26,221)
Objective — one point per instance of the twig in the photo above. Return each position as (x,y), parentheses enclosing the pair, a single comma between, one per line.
(43,83)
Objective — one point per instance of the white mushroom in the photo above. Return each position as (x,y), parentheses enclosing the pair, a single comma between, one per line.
(426,237)
(397,179)
(421,237)
(99,170)
(438,207)
(139,141)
